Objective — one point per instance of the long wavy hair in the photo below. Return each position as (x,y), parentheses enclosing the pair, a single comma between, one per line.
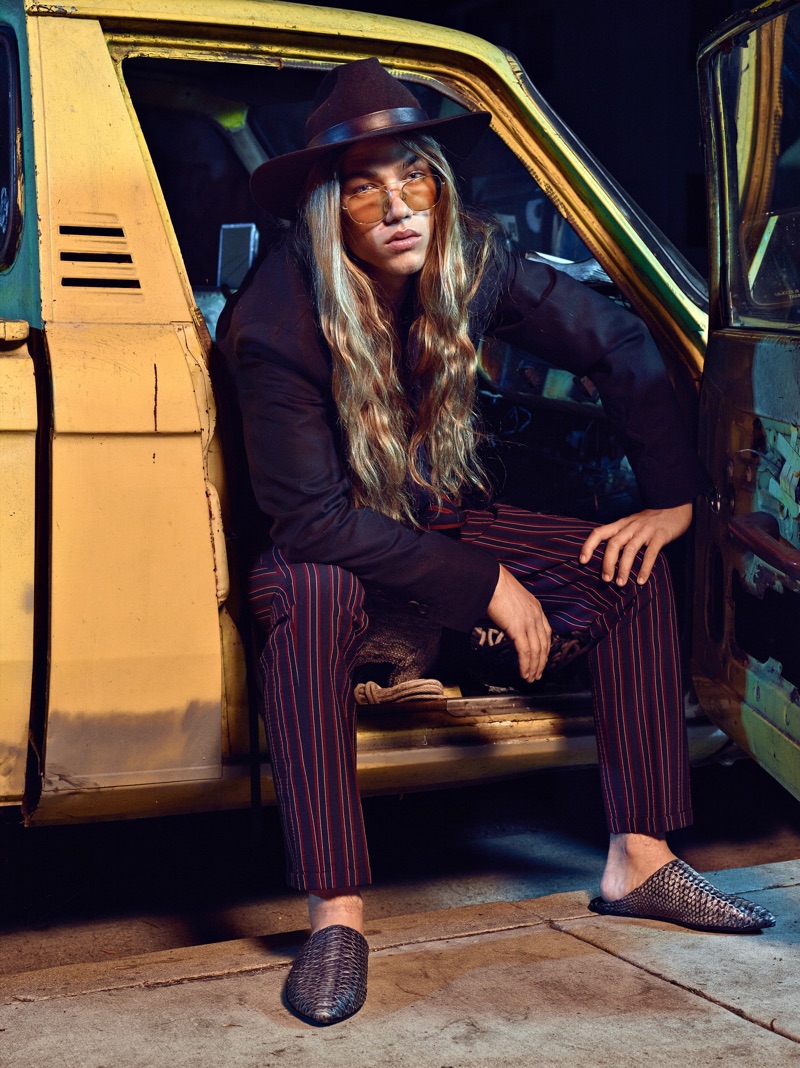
(392,444)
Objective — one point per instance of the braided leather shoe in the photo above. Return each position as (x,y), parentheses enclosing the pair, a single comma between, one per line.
(328,980)
(678,894)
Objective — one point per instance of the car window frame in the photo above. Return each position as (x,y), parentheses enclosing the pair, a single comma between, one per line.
(12,166)
(626,244)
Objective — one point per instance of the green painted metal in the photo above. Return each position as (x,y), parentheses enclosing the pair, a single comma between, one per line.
(19,285)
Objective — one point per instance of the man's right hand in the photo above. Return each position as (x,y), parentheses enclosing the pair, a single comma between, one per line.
(520,616)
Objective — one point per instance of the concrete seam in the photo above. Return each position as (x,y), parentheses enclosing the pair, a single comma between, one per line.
(741,1013)
(422,941)
(146,984)
(255,969)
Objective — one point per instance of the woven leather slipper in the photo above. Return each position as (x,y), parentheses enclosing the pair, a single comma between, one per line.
(328,980)
(678,894)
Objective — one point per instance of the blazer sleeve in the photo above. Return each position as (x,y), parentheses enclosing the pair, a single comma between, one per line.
(282,375)
(571,326)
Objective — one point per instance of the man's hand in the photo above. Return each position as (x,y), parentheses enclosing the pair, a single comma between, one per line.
(654,528)
(520,616)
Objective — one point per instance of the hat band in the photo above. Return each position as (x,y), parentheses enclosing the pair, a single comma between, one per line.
(372,123)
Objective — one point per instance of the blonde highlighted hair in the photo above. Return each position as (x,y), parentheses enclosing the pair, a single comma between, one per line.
(392,445)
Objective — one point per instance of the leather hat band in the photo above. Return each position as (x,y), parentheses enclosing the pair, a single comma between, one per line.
(365,124)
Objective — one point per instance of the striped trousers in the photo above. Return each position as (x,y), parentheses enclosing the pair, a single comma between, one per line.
(313,619)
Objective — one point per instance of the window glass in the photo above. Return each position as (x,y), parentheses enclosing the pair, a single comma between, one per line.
(10,156)
(759,83)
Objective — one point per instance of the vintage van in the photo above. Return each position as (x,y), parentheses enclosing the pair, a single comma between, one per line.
(127,134)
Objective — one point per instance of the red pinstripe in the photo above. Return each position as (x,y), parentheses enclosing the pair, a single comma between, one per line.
(314,619)
(313,616)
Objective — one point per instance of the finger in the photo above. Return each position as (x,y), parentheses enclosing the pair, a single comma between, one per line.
(598,534)
(541,660)
(523,648)
(533,642)
(648,562)
(535,665)
(532,649)
(542,647)
(525,664)
(610,559)
(627,560)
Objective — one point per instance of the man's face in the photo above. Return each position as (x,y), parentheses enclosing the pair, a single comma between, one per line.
(394,248)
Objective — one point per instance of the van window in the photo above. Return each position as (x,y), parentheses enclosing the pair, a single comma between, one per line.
(10,150)
(208,125)
(759,80)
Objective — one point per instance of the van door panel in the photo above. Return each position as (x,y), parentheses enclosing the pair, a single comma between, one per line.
(747,652)
(18,421)
(95,188)
(135,689)
(747,613)
(133,577)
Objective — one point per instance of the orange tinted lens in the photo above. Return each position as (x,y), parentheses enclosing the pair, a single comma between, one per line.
(367,207)
(422,193)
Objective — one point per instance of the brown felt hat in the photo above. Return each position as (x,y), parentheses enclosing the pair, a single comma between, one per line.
(354,102)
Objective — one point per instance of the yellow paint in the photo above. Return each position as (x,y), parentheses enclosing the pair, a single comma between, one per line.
(131,381)
(17,478)
(90,173)
(135,623)
(14,330)
(134,600)
(134,610)
(235,722)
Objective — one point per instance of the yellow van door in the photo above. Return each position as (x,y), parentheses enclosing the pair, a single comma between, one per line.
(135,667)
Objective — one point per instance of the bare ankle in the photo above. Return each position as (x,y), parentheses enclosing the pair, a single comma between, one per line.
(632,858)
(339,906)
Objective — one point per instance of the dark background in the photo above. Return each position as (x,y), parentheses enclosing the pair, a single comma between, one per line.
(621,73)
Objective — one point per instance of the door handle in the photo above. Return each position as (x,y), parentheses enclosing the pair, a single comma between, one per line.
(759,532)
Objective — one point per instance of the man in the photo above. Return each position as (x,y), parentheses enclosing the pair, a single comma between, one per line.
(353,357)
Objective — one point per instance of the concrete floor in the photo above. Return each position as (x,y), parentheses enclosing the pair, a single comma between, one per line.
(503,984)
(163,944)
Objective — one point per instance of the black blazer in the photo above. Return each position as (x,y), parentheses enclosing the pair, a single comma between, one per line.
(280,366)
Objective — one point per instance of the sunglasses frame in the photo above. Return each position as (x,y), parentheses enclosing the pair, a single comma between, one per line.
(388,190)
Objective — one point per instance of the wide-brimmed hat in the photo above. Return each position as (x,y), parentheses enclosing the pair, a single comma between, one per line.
(354,102)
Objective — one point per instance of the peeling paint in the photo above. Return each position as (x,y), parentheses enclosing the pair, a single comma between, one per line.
(776,451)
(51,9)
(786,489)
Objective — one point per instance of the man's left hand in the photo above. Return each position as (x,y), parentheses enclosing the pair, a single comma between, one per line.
(653,528)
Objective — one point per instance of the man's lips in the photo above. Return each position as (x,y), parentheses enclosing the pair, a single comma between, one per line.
(403,239)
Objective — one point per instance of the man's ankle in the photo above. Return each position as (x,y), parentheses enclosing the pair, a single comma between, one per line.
(329,907)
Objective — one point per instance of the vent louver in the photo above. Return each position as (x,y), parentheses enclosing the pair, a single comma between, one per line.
(96,257)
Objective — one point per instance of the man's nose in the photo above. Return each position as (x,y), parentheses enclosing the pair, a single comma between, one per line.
(396,207)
